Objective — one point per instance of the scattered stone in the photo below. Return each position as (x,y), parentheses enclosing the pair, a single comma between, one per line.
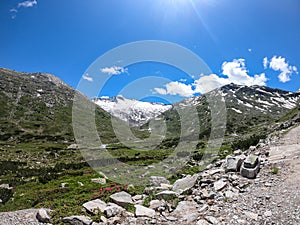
(154,204)
(251,215)
(157,181)
(166,195)
(113,210)
(121,198)
(72,147)
(211,219)
(219,185)
(268,213)
(95,206)
(43,216)
(64,185)
(99,180)
(233,164)
(141,211)
(78,220)
(182,185)
(202,222)
(5,186)
(186,210)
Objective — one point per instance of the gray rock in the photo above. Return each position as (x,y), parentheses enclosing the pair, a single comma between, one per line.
(141,211)
(157,181)
(251,161)
(95,206)
(219,185)
(202,222)
(154,204)
(211,219)
(185,184)
(113,210)
(72,147)
(166,195)
(121,198)
(251,215)
(186,211)
(233,164)
(43,216)
(99,180)
(78,220)
(250,167)
(5,186)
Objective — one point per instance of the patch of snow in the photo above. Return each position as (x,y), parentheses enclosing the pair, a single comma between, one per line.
(132,111)
(236,110)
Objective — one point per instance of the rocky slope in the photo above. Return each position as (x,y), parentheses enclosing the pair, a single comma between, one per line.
(136,113)
(218,195)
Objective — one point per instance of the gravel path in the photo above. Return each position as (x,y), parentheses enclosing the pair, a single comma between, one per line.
(272,198)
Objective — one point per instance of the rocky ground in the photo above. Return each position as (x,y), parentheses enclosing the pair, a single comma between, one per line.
(228,192)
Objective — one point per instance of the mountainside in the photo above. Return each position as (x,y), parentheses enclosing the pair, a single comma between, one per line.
(36,118)
(249,111)
(134,112)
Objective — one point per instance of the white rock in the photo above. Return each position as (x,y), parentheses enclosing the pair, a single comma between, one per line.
(185,184)
(121,198)
(219,185)
(95,206)
(43,216)
(141,211)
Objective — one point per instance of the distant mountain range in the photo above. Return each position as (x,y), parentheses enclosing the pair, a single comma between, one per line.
(38,106)
(136,113)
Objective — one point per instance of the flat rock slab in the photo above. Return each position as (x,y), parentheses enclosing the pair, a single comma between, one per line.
(121,198)
(219,185)
(141,211)
(95,206)
(166,195)
(185,184)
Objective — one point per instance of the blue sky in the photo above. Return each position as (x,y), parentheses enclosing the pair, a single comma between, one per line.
(242,41)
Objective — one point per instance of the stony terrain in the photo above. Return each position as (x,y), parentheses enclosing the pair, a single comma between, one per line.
(218,195)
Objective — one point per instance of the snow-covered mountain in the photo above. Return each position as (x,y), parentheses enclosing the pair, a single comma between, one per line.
(132,111)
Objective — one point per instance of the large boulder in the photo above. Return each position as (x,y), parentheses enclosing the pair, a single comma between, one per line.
(95,206)
(233,163)
(121,198)
(250,167)
(182,185)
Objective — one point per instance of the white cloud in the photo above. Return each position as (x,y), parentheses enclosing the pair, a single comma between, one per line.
(87,77)
(249,50)
(235,72)
(13,10)
(265,62)
(286,71)
(27,4)
(176,88)
(114,70)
